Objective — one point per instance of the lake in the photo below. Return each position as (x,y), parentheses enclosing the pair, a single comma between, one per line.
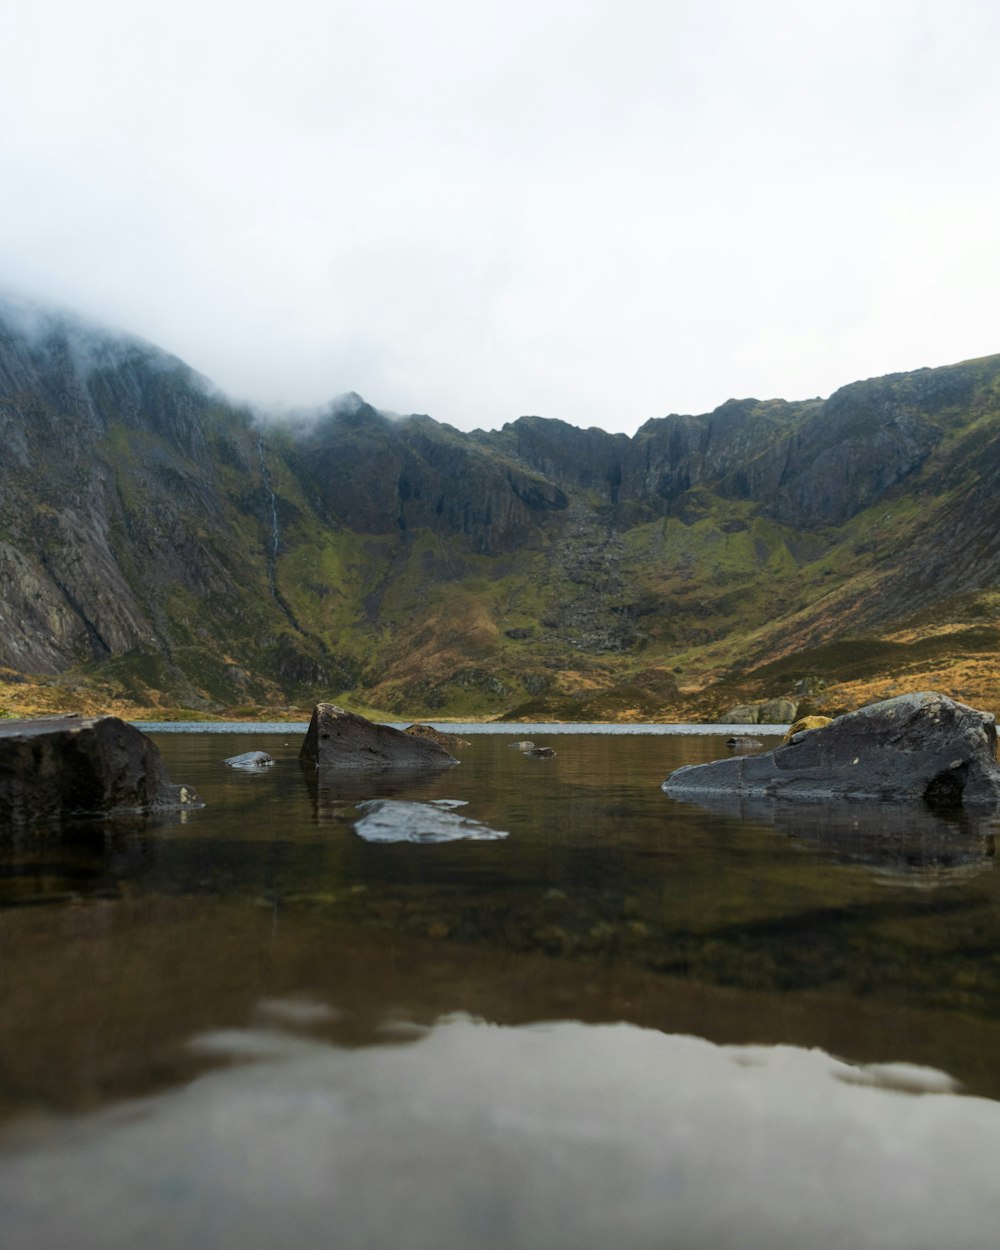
(527,1002)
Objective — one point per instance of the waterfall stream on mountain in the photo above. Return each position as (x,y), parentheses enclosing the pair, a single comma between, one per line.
(268,487)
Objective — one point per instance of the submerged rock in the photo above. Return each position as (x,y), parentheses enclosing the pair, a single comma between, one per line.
(344,740)
(58,767)
(249,761)
(917,746)
(393,820)
(740,743)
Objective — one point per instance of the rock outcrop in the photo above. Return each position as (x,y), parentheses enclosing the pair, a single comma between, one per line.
(770,712)
(56,768)
(915,747)
(337,739)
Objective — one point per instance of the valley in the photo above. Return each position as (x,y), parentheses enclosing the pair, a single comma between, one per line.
(165,553)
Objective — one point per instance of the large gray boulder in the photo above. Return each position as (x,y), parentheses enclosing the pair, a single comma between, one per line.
(918,746)
(344,740)
(54,768)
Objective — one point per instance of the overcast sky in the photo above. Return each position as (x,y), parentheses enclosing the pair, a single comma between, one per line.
(597,210)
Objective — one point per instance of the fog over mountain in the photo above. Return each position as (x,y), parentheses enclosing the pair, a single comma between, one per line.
(600,212)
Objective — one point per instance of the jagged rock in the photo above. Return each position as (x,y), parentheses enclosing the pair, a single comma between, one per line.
(57,767)
(917,746)
(250,760)
(450,742)
(344,740)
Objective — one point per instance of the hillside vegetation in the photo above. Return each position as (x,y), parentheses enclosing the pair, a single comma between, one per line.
(162,550)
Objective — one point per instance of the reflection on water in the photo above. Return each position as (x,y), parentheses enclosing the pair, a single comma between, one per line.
(908,843)
(556,1135)
(695,968)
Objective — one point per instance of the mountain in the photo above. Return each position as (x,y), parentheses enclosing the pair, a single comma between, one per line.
(161,545)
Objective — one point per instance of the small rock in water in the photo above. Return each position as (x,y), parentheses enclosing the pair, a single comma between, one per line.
(526,745)
(395,820)
(739,743)
(250,760)
(541,751)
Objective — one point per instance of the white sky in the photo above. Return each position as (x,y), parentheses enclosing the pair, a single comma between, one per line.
(597,210)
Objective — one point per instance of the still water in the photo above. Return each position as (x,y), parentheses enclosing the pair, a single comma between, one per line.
(528,1002)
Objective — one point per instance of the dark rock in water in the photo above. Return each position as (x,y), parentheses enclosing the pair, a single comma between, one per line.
(743,744)
(918,746)
(57,767)
(450,742)
(392,820)
(249,761)
(540,751)
(344,740)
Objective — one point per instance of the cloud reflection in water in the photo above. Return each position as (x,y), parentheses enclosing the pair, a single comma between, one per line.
(560,1135)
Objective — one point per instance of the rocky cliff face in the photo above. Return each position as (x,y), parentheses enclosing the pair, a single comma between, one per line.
(114,505)
(377,475)
(152,533)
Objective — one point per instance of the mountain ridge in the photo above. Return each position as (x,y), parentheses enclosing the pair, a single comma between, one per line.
(166,546)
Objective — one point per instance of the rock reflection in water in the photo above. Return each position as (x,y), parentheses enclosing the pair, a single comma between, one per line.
(908,843)
(560,1135)
(331,792)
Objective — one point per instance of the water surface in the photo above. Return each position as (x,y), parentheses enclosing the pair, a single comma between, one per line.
(629,1021)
